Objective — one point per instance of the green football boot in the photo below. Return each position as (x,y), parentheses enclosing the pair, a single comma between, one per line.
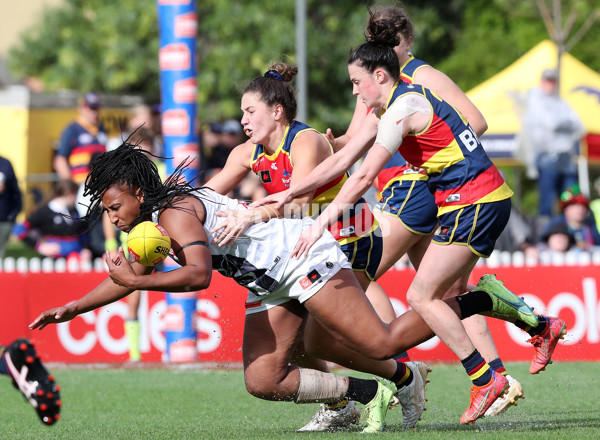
(506,305)
(377,408)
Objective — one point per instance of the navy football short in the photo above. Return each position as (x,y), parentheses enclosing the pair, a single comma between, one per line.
(476,226)
(412,203)
(364,254)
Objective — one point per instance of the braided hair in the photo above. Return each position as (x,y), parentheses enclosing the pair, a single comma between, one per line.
(131,166)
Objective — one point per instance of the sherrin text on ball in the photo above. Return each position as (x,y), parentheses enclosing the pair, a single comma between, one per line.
(148,244)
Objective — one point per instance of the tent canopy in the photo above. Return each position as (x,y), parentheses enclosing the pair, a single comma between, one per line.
(501,98)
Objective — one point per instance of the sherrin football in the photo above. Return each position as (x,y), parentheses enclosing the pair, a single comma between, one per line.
(148,244)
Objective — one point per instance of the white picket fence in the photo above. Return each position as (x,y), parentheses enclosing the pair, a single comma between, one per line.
(518,259)
(497,259)
(50,265)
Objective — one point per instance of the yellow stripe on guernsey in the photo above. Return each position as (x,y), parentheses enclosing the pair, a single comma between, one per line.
(444,158)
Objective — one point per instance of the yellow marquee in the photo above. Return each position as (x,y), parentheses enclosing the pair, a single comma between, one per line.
(500,98)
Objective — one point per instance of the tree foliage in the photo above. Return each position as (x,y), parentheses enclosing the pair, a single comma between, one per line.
(113,46)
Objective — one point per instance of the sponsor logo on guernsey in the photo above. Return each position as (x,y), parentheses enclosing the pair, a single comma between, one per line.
(265,176)
(453,198)
(309,279)
(85,139)
(347,232)
(273,166)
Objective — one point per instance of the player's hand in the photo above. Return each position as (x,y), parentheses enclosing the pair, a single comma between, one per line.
(330,137)
(307,239)
(233,225)
(53,316)
(119,269)
(278,199)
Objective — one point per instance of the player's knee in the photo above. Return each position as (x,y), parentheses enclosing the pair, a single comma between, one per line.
(262,385)
(258,387)
(414,300)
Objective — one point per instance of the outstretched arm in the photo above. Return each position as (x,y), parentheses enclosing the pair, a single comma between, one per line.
(182,223)
(358,183)
(331,167)
(105,293)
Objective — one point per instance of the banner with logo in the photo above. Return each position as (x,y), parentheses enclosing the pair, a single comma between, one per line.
(570,292)
(178,28)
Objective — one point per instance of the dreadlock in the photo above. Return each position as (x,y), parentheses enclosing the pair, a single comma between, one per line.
(131,166)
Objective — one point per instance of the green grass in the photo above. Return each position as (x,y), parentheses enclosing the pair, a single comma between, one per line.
(561,403)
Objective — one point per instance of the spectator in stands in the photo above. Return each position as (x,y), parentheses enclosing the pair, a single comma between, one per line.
(518,235)
(10,202)
(221,139)
(81,141)
(54,229)
(557,238)
(550,135)
(577,218)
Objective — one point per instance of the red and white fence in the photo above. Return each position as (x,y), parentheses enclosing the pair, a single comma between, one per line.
(566,286)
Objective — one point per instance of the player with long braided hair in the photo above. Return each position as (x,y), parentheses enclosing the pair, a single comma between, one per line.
(126,183)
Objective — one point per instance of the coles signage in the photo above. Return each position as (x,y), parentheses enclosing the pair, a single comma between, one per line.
(98,336)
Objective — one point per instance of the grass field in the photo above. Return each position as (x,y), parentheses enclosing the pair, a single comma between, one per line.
(191,403)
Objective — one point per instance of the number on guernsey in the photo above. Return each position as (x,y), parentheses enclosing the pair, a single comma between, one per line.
(469,139)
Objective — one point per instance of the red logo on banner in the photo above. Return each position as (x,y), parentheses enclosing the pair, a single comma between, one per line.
(185,90)
(175,123)
(187,152)
(173,318)
(183,350)
(186,25)
(174,56)
(174,2)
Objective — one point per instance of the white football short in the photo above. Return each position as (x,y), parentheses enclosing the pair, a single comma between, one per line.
(303,277)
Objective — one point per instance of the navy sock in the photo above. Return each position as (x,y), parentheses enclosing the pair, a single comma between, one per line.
(542,323)
(403,375)
(403,357)
(477,368)
(497,366)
